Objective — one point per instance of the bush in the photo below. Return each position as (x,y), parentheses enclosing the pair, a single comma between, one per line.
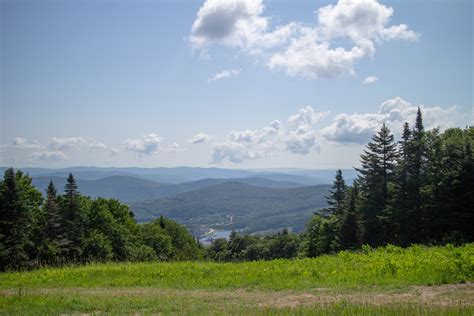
(96,247)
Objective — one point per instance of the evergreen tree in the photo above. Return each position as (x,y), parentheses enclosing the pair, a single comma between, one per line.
(377,165)
(15,222)
(74,219)
(347,232)
(431,190)
(53,240)
(417,166)
(399,209)
(337,195)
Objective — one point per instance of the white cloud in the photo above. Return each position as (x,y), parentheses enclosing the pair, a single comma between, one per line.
(225,74)
(400,32)
(200,138)
(21,143)
(297,136)
(147,144)
(370,79)
(306,58)
(358,128)
(48,156)
(74,142)
(174,148)
(235,23)
(362,21)
(307,51)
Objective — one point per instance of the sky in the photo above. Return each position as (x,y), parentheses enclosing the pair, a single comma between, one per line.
(225,83)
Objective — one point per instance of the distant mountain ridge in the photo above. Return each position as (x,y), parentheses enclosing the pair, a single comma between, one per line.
(131,189)
(188,174)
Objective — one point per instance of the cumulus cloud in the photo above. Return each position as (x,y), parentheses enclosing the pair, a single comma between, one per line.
(298,135)
(236,23)
(21,143)
(48,156)
(74,142)
(147,144)
(370,79)
(225,74)
(200,138)
(358,128)
(300,50)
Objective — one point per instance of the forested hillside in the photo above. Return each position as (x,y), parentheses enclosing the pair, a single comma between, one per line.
(235,205)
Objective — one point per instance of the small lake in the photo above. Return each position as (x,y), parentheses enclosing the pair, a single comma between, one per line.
(208,238)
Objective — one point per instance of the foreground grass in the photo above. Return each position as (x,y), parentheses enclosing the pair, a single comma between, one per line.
(388,280)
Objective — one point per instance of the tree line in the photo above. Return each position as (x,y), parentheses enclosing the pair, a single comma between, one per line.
(418,190)
(72,228)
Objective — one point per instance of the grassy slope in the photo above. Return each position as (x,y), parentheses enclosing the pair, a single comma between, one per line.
(197,287)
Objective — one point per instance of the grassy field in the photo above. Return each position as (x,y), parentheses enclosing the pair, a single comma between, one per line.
(390,280)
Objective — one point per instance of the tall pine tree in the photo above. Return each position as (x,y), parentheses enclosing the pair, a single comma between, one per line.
(377,165)
(337,194)
(74,219)
(53,242)
(347,230)
(15,220)
(417,170)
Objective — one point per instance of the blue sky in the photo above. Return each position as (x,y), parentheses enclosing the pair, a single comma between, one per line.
(242,84)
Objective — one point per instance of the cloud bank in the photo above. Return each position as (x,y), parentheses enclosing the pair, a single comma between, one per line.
(298,135)
(304,132)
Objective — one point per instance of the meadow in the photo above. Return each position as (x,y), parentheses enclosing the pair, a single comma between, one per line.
(388,280)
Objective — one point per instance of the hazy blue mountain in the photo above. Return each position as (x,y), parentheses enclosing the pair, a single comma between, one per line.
(233,205)
(128,189)
(307,176)
(188,174)
(124,188)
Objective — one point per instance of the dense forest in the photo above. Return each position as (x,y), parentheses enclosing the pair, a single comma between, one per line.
(72,228)
(417,190)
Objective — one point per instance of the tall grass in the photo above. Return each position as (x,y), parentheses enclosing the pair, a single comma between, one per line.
(394,266)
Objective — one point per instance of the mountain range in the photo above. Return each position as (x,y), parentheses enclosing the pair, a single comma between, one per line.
(179,175)
(204,198)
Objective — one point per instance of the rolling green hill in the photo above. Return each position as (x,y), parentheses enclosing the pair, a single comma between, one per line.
(235,205)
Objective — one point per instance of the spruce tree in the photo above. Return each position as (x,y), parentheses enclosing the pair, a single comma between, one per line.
(74,219)
(347,232)
(399,209)
(337,195)
(377,165)
(53,227)
(15,220)
(417,166)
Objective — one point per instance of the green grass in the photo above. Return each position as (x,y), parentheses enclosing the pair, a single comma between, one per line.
(383,266)
(346,283)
